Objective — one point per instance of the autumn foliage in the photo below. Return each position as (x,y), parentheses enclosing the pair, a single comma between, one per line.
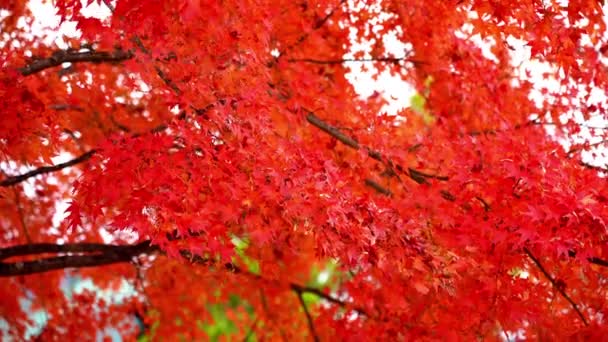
(216,160)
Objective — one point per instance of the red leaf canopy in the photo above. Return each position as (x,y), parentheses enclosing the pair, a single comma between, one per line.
(216,152)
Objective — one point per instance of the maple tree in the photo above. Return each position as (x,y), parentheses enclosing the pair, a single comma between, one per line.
(223,165)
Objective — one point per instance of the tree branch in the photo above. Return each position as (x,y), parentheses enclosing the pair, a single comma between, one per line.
(379,188)
(416,175)
(98,255)
(101,254)
(598,261)
(45,248)
(420,177)
(12,180)
(559,288)
(311,325)
(317,26)
(69,56)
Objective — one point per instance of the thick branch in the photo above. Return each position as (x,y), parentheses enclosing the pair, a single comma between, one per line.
(12,180)
(45,248)
(68,56)
(99,255)
(102,254)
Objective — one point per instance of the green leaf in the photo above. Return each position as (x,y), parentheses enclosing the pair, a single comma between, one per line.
(418,105)
(240,245)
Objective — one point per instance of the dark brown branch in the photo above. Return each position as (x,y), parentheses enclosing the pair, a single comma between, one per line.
(323,295)
(598,261)
(532,123)
(593,260)
(311,325)
(45,248)
(379,188)
(416,175)
(559,288)
(100,255)
(594,167)
(68,56)
(12,180)
(142,48)
(580,124)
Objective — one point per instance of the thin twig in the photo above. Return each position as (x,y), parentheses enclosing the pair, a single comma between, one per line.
(251,330)
(311,325)
(585,146)
(269,315)
(560,289)
(603,169)
(317,26)
(143,49)
(12,180)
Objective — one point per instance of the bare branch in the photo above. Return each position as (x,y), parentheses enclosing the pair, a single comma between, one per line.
(593,260)
(68,56)
(12,180)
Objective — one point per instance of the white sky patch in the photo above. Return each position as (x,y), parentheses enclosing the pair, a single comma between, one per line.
(367,81)
(323,277)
